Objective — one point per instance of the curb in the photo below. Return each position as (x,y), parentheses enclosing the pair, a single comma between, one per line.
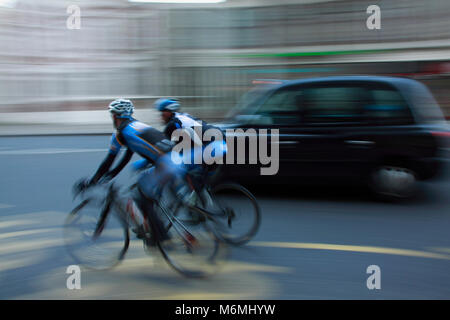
(66,123)
(94,122)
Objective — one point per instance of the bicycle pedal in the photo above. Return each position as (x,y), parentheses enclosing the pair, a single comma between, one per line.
(149,241)
(190,240)
(140,232)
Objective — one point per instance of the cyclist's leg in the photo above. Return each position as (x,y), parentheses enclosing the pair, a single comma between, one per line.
(182,184)
(148,190)
(214,155)
(146,206)
(151,185)
(216,151)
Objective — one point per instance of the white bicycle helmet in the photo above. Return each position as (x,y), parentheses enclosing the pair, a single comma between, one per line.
(123,108)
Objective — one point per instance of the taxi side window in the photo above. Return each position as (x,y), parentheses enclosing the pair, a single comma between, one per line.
(281,108)
(334,104)
(387,106)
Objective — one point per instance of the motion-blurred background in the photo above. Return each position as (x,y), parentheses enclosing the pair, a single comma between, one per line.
(313,243)
(205,54)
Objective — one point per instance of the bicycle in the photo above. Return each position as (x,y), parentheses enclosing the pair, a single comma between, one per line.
(93,225)
(223,205)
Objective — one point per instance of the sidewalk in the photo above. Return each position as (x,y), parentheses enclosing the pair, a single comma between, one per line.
(66,122)
(73,122)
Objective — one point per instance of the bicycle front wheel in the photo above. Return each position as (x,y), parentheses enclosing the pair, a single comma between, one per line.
(102,251)
(235,212)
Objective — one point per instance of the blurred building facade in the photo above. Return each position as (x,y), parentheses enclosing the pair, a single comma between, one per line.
(208,55)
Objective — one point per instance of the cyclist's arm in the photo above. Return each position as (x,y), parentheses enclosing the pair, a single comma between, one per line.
(114,149)
(104,167)
(170,128)
(123,162)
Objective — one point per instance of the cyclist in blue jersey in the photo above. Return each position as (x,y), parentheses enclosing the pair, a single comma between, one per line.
(195,127)
(176,120)
(149,143)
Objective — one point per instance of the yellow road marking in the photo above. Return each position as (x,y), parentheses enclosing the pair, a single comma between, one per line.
(15,264)
(231,267)
(23,233)
(29,245)
(352,248)
(228,267)
(440,249)
(14,223)
(145,283)
(207,296)
(146,262)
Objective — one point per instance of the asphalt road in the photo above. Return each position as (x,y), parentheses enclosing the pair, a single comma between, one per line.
(313,244)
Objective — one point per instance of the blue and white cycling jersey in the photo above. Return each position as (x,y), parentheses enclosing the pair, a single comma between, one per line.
(149,143)
(139,138)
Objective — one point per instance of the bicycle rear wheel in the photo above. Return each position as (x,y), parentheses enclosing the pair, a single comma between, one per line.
(235,212)
(95,252)
(193,251)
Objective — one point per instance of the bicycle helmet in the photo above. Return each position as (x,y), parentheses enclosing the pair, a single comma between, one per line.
(166,104)
(123,108)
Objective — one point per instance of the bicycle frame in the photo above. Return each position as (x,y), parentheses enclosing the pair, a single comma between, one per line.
(170,213)
(124,204)
(119,201)
(127,208)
